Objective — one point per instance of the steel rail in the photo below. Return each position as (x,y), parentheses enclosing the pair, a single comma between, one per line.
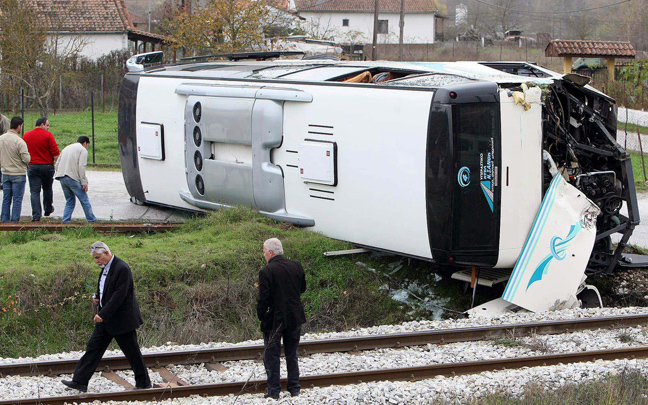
(325,380)
(97,226)
(234,353)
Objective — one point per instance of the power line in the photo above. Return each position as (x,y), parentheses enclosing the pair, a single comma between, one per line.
(550,12)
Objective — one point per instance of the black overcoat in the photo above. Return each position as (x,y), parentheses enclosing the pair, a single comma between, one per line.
(119,309)
(281,283)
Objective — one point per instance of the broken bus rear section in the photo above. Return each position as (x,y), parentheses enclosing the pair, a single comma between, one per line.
(441,162)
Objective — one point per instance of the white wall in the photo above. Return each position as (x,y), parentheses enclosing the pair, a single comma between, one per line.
(419,28)
(94,45)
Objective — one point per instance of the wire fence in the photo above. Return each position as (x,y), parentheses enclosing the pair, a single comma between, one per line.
(68,125)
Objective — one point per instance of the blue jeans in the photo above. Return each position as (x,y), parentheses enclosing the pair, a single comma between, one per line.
(71,189)
(41,176)
(13,188)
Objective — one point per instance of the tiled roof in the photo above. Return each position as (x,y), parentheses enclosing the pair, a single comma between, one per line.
(411,6)
(568,47)
(83,15)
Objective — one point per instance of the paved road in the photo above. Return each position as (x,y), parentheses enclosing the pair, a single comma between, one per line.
(109,199)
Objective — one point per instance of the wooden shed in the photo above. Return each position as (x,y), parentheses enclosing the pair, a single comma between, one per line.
(608,50)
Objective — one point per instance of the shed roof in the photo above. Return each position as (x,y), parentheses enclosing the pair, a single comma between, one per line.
(411,6)
(594,49)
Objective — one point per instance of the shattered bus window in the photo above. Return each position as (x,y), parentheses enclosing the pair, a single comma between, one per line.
(427,81)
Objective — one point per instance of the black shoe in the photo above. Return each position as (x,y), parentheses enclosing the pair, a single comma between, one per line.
(273,396)
(48,213)
(294,393)
(35,219)
(73,385)
(143,388)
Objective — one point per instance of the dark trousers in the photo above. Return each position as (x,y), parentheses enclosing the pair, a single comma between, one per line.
(272,343)
(41,176)
(98,344)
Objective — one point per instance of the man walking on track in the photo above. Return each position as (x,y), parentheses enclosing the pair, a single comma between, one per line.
(118,318)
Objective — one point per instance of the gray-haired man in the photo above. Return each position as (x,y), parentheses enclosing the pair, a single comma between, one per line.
(281,312)
(118,317)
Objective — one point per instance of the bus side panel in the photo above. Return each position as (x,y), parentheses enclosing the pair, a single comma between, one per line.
(521,173)
(157,103)
(380,137)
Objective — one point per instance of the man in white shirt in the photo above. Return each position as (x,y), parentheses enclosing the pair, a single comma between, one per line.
(118,318)
(71,172)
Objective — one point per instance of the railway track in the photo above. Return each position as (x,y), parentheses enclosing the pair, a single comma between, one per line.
(97,226)
(211,358)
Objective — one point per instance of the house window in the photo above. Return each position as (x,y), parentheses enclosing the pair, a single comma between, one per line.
(345,22)
(383,27)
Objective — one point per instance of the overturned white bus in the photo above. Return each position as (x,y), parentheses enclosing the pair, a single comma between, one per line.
(438,161)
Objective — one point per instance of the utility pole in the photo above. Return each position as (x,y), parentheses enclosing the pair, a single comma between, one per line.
(374,45)
(401,24)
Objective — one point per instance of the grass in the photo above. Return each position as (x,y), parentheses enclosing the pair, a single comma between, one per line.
(628,387)
(193,285)
(68,126)
(632,128)
(638,170)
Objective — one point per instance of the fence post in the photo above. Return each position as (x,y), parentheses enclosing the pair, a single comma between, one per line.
(60,92)
(103,105)
(22,107)
(643,162)
(93,132)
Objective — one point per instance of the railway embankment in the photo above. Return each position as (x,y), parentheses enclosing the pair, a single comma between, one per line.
(195,284)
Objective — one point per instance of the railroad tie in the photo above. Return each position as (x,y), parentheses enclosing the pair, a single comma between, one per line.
(169,378)
(114,377)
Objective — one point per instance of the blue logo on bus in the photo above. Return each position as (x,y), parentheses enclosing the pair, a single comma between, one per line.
(464,176)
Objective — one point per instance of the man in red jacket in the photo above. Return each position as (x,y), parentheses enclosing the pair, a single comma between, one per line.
(44,151)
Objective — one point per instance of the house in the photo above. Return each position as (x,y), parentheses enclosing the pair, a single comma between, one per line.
(97,27)
(346,20)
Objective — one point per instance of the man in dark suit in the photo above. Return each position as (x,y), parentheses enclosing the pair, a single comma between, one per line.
(281,312)
(118,317)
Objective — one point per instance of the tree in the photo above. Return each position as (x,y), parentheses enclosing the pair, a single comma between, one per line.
(501,17)
(219,26)
(582,25)
(319,28)
(32,59)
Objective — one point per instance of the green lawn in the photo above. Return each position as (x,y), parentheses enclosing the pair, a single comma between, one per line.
(638,171)
(632,128)
(67,127)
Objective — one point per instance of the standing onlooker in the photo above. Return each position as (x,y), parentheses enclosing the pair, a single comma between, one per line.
(281,312)
(44,151)
(14,158)
(118,317)
(71,172)
(5,124)
(4,127)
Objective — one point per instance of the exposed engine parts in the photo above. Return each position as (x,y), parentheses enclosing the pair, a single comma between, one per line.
(580,135)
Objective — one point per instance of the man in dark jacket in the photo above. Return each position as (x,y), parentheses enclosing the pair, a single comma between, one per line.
(281,312)
(118,317)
